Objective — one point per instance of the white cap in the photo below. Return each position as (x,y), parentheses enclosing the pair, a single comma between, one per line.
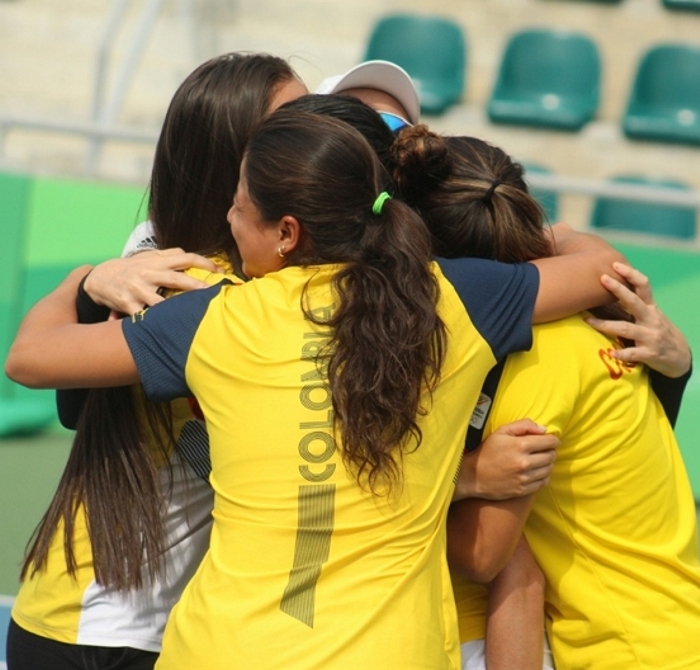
(381,75)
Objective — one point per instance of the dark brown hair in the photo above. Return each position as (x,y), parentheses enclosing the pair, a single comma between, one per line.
(474,199)
(111,472)
(387,340)
(354,112)
(111,469)
(472,196)
(198,156)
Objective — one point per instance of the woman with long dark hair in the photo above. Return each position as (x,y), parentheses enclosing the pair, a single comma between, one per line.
(452,194)
(337,386)
(615,531)
(131,518)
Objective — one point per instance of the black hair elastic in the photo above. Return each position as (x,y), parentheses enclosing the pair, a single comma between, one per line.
(492,188)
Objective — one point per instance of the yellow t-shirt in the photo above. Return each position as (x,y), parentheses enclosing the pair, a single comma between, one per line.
(77,610)
(306,569)
(615,531)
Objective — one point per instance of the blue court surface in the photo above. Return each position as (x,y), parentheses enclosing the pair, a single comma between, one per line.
(5,607)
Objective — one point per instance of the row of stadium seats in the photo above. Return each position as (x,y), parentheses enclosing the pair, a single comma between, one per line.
(684,5)
(619,214)
(547,78)
(49,227)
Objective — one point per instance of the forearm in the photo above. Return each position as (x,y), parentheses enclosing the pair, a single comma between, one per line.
(570,280)
(515,616)
(669,391)
(27,356)
(482,535)
(69,402)
(51,350)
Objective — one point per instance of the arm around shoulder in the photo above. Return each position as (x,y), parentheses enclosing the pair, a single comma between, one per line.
(570,280)
(51,350)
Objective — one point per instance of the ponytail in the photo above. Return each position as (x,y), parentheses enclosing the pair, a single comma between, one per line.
(421,161)
(472,196)
(474,199)
(387,341)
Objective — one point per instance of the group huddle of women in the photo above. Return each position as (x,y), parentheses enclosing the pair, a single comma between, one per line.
(270,468)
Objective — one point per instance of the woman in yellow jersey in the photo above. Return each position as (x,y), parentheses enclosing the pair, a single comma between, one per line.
(131,518)
(516,595)
(336,386)
(615,530)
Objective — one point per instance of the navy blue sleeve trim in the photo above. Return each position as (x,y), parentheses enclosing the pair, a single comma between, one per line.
(499,298)
(160,339)
(670,391)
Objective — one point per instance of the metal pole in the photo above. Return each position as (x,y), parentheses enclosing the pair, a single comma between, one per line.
(115,18)
(600,188)
(108,114)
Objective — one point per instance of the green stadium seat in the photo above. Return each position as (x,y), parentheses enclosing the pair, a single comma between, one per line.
(664,104)
(684,5)
(548,199)
(645,217)
(547,78)
(432,49)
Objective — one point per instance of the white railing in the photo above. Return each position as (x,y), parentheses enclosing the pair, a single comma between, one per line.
(105,114)
(100,132)
(91,130)
(102,127)
(602,188)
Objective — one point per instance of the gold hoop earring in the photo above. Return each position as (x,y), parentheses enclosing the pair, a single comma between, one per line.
(280,251)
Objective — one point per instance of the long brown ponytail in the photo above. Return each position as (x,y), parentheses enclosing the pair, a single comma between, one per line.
(388,341)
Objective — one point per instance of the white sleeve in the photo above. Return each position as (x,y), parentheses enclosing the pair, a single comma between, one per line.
(142,238)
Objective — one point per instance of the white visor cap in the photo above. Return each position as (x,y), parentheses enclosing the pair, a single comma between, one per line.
(381,75)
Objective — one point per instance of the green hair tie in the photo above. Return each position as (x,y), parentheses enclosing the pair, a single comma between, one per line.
(379,203)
